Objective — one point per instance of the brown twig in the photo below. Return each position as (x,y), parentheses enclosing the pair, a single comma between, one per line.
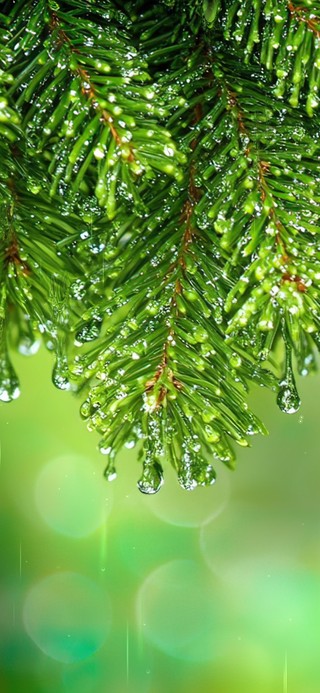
(295,279)
(300,13)
(263,170)
(87,88)
(11,252)
(186,219)
(12,256)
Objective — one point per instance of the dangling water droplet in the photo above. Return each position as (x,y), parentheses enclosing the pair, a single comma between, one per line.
(235,360)
(110,472)
(9,383)
(195,469)
(185,475)
(60,374)
(224,452)
(206,475)
(88,332)
(288,399)
(28,346)
(152,478)
(186,480)
(130,444)
(78,289)
(85,409)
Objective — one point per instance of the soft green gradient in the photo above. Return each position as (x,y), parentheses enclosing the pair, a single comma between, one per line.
(67,616)
(105,590)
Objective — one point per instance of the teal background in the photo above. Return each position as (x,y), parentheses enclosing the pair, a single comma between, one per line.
(103,589)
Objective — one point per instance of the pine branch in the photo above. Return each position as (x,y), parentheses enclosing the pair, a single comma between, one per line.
(159,191)
(32,274)
(91,113)
(280,35)
(166,358)
(267,224)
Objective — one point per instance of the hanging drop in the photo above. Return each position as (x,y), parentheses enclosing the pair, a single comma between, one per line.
(9,383)
(60,374)
(151,479)
(288,398)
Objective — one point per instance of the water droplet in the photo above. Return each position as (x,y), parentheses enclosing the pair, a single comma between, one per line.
(28,346)
(209,413)
(110,472)
(195,470)
(186,480)
(85,409)
(235,360)
(200,334)
(9,383)
(60,374)
(205,475)
(151,479)
(130,444)
(88,332)
(77,289)
(288,397)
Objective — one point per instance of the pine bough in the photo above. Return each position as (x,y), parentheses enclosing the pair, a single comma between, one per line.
(159,191)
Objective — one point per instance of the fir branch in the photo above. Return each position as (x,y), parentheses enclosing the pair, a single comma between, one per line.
(280,35)
(95,134)
(261,222)
(165,360)
(159,194)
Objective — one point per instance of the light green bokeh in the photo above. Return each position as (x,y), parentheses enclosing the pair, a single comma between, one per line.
(180,609)
(228,579)
(60,490)
(68,616)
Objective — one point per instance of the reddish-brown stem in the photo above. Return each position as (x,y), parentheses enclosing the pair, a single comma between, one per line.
(300,13)
(186,219)
(233,103)
(12,256)
(263,170)
(295,279)
(12,253)
(87,88)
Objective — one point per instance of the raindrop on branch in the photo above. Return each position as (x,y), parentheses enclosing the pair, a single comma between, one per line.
(9,383)
(288,398)
(151,479)
(60,374)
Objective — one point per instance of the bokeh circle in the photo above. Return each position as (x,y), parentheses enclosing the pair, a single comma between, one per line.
(72,497)
(68,616)
(179,610)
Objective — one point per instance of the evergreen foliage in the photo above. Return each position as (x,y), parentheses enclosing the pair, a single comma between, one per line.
(159,192)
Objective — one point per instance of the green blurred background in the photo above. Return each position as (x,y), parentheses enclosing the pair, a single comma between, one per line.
(104,589)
